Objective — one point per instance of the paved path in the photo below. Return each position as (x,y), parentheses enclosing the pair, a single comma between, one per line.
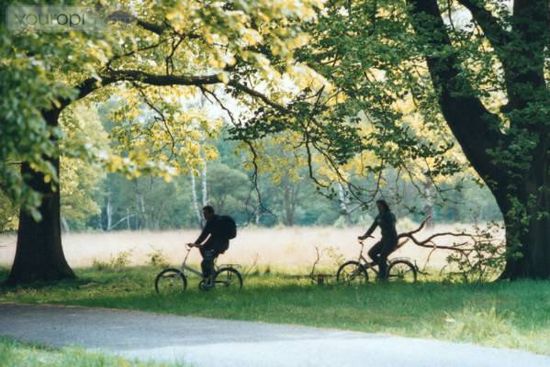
(206,342)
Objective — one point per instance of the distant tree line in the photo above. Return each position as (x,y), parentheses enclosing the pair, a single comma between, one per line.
(288,197)
(151,203)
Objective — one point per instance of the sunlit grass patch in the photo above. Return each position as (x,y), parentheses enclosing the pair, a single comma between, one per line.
(17,354)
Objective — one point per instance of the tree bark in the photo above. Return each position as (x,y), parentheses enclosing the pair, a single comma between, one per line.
(529,233)
(528,225)
(39,255)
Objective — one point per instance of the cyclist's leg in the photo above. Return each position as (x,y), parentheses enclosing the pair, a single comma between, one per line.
(207,264)
(374,252)
(388,246)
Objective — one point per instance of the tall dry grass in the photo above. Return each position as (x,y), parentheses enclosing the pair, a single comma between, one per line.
(291,249)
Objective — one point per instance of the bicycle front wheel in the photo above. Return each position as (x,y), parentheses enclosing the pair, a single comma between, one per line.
(170,281)
(352,273)
(228,278)
(402,270)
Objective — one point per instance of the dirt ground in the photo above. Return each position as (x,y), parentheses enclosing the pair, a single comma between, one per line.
(290,249)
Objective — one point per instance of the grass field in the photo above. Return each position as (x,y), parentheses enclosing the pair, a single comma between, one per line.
(290,248)
(16,354)
(515,315)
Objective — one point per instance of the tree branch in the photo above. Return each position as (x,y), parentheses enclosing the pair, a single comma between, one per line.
(476,129)
(112,76)
(125,17)
(428,242)
(159,80)
(243,88)
(496,34)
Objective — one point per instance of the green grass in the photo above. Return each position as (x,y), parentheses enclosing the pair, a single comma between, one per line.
(17,354)
(515,315)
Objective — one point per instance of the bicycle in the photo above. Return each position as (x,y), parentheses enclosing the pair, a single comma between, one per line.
(170,280)
(355,271)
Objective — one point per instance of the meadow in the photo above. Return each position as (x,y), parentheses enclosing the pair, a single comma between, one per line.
(117,270)
(284,249)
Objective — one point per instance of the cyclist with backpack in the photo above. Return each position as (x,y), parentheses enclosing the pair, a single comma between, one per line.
(214,239)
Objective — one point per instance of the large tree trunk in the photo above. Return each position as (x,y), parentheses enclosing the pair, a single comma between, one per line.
(527,223)
(39,254)
(519,183)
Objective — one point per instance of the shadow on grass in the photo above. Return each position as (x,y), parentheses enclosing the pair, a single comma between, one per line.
(64,284)
(503,313)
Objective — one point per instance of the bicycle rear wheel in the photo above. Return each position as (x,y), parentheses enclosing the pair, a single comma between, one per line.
(170,281)
(228,278)
(352,273)
(402,270)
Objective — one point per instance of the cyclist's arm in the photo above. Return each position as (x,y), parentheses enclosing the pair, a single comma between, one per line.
(371,229)
(204,234)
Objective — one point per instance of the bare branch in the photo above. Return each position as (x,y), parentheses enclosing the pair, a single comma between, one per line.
(315,262)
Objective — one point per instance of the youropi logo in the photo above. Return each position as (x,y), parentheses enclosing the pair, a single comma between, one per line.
(21,18)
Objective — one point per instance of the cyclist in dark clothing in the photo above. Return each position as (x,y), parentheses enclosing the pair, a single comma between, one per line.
(215,244)
(380,251)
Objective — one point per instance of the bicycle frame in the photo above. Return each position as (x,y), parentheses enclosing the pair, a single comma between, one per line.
(191,270)
(364,261)
(353,270)
(185,267)
(374,266)
(225,275)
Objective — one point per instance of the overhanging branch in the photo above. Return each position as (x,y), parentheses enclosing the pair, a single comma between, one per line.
(476,129)
(496,34)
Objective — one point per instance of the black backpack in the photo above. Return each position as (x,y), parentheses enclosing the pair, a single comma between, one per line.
(228,227)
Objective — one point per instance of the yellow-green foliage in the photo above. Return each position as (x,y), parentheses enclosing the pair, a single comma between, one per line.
(83,139)
(186,39)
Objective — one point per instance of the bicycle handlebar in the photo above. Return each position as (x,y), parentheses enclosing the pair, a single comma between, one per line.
(362,241)
(188,248)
